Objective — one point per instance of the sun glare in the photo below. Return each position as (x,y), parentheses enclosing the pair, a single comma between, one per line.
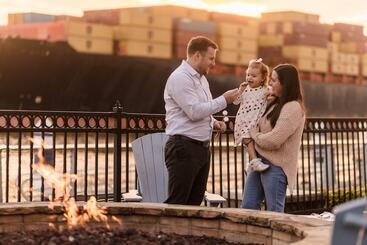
(233,7)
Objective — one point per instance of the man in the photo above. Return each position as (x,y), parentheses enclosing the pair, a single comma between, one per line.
(189,108)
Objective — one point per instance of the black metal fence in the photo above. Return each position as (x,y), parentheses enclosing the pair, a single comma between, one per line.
(97,148)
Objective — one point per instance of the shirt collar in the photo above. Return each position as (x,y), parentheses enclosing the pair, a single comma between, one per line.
(190,69)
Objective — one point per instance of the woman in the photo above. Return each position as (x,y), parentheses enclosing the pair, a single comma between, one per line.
(277,142)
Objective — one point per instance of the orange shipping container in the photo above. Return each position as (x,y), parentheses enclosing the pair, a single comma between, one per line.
(182,38)
(145,19)
(76,28)
(312,65)
(290,16)
(270,40)
(352,59)
(352,47)
(237,44)
(338,58)
(352,69)
(169,10)
(91,45)
(14,19)
(337,68)
(129,16)
(364,70)
(335,36)
(237,31)
(235,58)
(364,59)
(310,52)
(145,49)
(180,12)
(333,47)
(179,51)
(142,34)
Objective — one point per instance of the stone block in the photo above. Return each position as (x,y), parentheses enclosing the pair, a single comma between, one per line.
(227,225)
(259,230)
(9,219)
(229,236)
(36,226)
(205,232)
(254,238)
(181,230)
(174,221)
(205,223)
(11,228)
(283,236)
(37,218)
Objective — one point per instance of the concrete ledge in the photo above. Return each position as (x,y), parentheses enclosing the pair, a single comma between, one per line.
(235,225)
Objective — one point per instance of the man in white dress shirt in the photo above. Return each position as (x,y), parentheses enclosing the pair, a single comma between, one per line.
(189,108)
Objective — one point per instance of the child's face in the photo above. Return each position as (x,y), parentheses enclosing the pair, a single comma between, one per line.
(254,77)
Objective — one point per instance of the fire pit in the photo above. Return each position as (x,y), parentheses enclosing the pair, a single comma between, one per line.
(232,225)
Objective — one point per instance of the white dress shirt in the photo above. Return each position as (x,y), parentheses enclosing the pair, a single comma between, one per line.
(189,104)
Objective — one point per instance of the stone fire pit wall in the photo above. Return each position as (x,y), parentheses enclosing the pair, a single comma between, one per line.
(236,225)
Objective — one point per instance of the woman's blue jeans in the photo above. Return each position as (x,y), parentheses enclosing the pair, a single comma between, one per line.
(270,184)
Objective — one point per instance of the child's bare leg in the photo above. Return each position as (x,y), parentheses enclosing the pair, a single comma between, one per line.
(251,150)
(255,163)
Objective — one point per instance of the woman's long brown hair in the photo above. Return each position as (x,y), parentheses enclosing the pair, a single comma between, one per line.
(291,90)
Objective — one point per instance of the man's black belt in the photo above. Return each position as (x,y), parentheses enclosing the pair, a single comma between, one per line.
(198,142)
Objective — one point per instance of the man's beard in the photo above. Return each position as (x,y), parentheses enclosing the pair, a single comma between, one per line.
(204,72)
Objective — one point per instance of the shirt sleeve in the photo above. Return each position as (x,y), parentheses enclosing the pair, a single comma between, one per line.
(183,91)
(289,120)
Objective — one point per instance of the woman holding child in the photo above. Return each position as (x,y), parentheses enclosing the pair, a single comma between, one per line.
(277,139)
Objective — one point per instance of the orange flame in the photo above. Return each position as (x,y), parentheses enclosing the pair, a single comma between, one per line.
(62,185)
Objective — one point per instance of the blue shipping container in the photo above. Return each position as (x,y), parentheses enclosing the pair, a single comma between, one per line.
(37,18)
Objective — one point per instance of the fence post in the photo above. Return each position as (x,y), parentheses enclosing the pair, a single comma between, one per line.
(117,109)
(1,176)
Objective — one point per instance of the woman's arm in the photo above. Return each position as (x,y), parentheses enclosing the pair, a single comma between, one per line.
(289,119)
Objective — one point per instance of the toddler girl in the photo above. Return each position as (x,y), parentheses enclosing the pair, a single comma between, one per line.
(253,105)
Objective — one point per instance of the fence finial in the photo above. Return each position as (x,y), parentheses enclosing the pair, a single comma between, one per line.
(117,107)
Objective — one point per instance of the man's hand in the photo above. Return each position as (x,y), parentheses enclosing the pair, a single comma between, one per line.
(231,95)
(220,126)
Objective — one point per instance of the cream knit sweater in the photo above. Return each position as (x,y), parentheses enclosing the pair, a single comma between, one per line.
(281,144)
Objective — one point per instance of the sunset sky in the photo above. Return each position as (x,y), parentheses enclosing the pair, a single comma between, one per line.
(330,11)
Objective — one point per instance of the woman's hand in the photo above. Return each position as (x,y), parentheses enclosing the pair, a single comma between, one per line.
(254,130)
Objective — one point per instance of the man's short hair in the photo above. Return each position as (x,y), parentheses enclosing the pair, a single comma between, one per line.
(201,44)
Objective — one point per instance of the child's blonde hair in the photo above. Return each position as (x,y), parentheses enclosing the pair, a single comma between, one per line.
(264,69)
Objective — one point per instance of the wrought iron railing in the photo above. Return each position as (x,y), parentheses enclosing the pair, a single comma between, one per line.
(96,146)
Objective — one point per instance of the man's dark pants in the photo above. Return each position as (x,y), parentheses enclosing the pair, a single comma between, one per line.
(188,164)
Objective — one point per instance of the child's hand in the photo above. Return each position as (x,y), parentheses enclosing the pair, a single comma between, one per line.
(269,93)
(242,86)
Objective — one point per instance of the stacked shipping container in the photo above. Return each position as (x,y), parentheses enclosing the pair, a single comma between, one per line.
(82,36)
(237,38)
(294,37)
(137,31)
(185,29)
(163,32)
(345,47)
(27,18)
